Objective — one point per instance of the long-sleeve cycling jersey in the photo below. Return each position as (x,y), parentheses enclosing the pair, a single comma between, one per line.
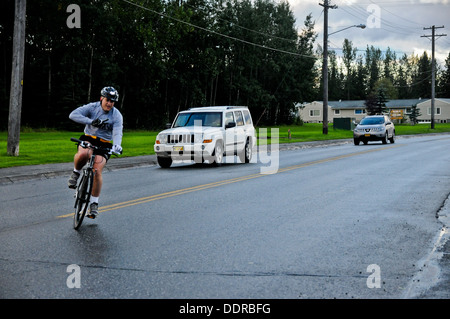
(110,131)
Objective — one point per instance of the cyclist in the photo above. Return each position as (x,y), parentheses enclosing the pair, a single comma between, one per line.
(104,128)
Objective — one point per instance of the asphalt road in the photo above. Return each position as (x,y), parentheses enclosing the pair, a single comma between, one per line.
(334,221)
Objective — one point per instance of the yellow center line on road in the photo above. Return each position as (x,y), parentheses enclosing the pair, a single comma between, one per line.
(182,191)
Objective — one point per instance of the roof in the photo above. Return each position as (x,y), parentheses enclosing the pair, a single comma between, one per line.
(444,100)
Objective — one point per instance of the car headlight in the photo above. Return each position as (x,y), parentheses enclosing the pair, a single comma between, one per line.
(207,139)
(198,138)
(160,138)
(378,129)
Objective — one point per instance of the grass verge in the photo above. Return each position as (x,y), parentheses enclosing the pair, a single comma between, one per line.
(50,146)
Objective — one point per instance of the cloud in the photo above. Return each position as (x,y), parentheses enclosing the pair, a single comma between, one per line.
(397,24)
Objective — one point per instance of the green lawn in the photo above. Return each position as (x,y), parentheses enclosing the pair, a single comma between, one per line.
(50,146)
(42,147)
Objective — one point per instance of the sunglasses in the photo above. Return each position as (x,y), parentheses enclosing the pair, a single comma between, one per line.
(109,100)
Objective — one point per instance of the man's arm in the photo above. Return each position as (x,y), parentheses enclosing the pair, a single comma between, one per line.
(118,129)
(82,114)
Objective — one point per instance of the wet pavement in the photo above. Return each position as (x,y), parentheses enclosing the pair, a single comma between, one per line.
(433,277)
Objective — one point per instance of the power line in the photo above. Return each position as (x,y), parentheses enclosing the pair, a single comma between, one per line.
(413,84)
(220,34)
(407,20)
(386,24)
(392,27)
(243,28)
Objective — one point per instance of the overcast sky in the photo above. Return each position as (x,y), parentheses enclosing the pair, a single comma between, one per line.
(397,24)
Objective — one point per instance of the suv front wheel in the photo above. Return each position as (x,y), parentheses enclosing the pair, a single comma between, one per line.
(392,139)
(164,162)
(218,154)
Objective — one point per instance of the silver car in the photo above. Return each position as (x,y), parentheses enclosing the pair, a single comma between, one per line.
(374,128)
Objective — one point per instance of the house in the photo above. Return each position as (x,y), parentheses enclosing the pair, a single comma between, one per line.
(441,110)
(398,110)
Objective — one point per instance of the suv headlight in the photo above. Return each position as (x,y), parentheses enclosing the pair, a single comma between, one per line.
(198,137)
(207,139)
(378,129)
(160,138)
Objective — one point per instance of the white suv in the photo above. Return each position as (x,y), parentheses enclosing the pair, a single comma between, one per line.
(207,133)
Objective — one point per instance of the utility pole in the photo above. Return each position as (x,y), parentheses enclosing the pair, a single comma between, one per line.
(15,97)
(325,6)
(433,66)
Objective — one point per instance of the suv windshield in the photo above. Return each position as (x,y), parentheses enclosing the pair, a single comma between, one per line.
(372,120)
(213,119)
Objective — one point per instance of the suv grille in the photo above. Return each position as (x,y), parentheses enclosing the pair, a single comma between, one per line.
(180,138)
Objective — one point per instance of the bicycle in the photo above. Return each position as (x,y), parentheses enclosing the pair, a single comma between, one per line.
(84,188)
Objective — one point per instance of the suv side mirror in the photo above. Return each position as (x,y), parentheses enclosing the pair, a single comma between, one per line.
(230,125)
(168,125)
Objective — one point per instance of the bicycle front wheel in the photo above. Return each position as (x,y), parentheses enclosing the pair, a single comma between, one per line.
(83,196)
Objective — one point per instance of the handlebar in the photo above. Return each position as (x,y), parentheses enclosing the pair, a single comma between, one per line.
(85,144)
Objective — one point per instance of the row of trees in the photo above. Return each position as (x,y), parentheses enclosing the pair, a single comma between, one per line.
(162,56)
(165,56)
(407,77)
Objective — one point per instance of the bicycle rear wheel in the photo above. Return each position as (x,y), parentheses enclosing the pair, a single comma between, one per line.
(83,196)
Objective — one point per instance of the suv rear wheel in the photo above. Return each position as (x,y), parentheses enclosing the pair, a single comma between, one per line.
(246,155)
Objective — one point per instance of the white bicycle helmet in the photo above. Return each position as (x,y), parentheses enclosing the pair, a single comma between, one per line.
(110,93)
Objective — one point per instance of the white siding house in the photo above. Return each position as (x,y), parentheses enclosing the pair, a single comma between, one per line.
(441,110)
(356,110)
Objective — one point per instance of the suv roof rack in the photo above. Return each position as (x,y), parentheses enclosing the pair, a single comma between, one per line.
(218,107)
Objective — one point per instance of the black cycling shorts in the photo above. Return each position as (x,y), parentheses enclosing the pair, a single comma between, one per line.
(98,142)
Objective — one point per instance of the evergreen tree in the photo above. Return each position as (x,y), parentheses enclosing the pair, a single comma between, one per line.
(415,113)
(376,102)
(371,104)
(444,87)
(359,86)
(373,62)
(349,55)
(422,77)
(389,65)
(381,100)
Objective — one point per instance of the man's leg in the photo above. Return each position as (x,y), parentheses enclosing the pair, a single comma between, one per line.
(99,164)
(79,160)
(81,157)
